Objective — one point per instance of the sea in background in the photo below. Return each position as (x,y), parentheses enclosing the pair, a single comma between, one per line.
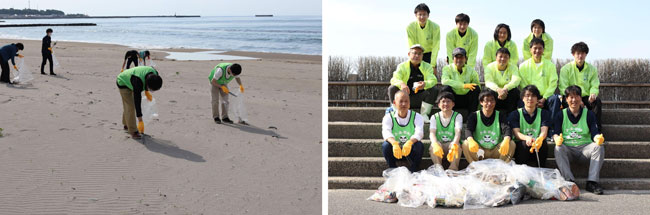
(279,34)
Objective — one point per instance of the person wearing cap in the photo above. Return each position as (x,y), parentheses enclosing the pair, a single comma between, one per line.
(405,128)
(417,80)
(530,126)
(425,32)
(131,83)
(501,40)
(46,51)
(577,137)
(585,76)
(538,30)
(542,73)
(8,52)
(220,76)
(503,77)
(462,81)
(444,131)
(464,37)
(487,132)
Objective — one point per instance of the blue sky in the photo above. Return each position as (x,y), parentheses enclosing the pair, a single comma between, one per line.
(612,29)
(169,7)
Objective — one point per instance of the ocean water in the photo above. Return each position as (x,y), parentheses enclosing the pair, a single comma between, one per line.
(280,34)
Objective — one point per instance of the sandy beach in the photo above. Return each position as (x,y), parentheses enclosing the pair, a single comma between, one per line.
(64,150)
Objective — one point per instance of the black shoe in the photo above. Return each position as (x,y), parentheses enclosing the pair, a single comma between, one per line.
(217,120)
(226,120)
(42,73)
(51,73)
(594,187)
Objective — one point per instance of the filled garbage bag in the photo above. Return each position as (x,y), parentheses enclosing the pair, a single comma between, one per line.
(236,107)
(149,110)
(23,75)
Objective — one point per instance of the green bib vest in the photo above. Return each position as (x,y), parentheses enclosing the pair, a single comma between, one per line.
(445,134)
(531,130)
(488,136)
(403,133)
(124,78)
(224,71)
(575,134)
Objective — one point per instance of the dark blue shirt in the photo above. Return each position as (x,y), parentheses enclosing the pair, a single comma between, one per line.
(9,52)
(513,119)
(591,121)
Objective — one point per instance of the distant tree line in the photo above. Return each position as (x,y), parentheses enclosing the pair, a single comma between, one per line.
(32,12)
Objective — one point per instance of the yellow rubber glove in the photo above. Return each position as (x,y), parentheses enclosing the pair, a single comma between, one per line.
(558,140)
(225,89)
(406,149)
(453,153)
(20,56)
(437,150)
(50,48)
(473,145)
(537,144)
(148,95)
(599,139)
(469,86)
(505,147)
(122,71)
(416,90)
(397,152)
(141,127)
(241,88)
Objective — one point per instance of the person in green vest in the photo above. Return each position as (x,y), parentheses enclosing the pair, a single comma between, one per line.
(538,30)
(577,137)
(585,76)
(402,127)
(133,56)
(426,33)
(487,133)
(501,40)
(444,131)
(503,77)
(131,83)
(464,37)
(542,73)
(530,126)
(220,76)
(462,81)
(417,80)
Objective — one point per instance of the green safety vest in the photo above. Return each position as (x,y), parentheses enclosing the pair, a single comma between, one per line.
(445,134)
(124,78)
(403,133)
(224,71)
(531,130)
(142,54)
(575,134)
(488,136)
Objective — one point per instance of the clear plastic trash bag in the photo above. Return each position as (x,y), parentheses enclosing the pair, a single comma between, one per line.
(23,75)
(236,107)
(149,110)
(55,62)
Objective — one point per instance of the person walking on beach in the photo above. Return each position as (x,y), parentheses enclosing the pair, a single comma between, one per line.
(135,56)
(8,52)
(131,83)
(46,50)
(220,76)
(426,33)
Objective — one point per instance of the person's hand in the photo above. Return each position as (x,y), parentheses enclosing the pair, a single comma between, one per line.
(537,144)
(540,103)
(599,139)
(558,140)
(505,147)
(529,141)
(241,88)
(453,153)
(437,150)
(225,89)
(592,98)
(20,56)
(405,88)
(141,127)
(15,67)
(469,86)
(418,86)
(121,70)
(148,95)
(50,48)
(406,149)
(503,93)
(397,152)
(473,145)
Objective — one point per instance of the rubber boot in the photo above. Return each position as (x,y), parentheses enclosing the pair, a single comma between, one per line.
(425,109)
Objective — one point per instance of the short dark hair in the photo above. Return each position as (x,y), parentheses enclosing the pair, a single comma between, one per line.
(147,53)
(503,51)
(446,95)
(20,46)
(235,69)
(538,22)
(496,31)
(536,41)
(580,47)
(461,17)
(532,89)
(49,30)
(153,81)
(422,7)
(573,89)
(485,93)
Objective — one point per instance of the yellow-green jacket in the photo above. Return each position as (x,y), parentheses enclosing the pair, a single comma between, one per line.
(544,76)
(403,71)
(494,79)
(469,42)
(454,79)
(548,46)
(429,38)
(587,79)
(490,52)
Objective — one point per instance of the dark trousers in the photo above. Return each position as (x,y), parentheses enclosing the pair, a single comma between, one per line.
(428,96)
(47,57)
(426,57)
(468,101)
(414,158)
(596,107)
(523,155)
(509,104)
(134,60)
(4,77)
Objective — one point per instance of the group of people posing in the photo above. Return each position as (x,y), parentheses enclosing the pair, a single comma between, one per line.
(510,117)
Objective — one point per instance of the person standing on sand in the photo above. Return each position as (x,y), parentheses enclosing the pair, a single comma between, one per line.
(220,76)
(134,56)
(8,52)
(131,83)
(46,50)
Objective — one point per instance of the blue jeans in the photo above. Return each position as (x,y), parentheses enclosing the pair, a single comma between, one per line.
(414,158)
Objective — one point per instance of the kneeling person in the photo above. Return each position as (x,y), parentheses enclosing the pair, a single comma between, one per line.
(530,127)
(405,127)
(131,83)
(220,76)
(445,129)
